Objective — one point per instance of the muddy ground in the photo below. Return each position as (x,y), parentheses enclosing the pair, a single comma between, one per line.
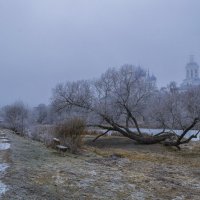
(111,168)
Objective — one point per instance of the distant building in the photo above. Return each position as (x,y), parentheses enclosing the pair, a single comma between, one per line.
(151,78)
(192,74)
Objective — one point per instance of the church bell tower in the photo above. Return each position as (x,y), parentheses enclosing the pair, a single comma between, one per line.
(192,74)
(192,69)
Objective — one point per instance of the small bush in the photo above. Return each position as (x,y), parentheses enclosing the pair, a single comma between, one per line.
(71,133)
(42,133)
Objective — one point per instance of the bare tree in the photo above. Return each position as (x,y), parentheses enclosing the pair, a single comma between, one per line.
(15,116)
(41,113)
(116,102)
(175,109)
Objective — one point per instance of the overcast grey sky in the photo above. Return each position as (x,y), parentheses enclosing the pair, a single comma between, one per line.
(43,42)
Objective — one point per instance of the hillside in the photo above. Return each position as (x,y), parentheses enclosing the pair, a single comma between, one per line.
(111,168)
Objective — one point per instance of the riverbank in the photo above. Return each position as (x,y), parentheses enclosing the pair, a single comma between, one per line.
(111,168)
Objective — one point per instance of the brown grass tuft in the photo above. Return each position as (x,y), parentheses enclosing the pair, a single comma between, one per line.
(71,133)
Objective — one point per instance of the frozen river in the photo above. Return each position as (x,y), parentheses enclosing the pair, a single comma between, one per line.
(178,132)
(156,131)
(4,145)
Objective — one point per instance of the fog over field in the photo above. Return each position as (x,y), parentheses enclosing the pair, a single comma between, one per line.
(46,42)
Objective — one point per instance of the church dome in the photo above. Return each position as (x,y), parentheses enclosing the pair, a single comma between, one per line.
(192,64)
(153,78)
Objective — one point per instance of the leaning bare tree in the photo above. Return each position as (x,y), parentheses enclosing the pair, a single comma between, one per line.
(117,101)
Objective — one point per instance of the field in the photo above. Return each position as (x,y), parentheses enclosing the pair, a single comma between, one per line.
(111,168)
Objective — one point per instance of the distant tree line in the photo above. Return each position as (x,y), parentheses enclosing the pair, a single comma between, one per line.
(120,100)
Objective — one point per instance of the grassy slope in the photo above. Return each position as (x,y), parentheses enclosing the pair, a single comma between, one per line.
(112,168)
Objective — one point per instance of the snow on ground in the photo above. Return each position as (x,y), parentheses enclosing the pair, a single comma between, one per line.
(4,145)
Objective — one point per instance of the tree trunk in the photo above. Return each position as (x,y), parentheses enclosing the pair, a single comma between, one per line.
(145,139)
(140,138)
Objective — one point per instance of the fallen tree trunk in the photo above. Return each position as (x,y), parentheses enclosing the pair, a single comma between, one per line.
(141,138)
(166,138)
(144,139)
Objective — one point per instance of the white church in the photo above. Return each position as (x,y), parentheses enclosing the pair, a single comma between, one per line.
(192,74)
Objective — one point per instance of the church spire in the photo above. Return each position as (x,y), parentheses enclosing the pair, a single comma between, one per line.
(148,73)
(191,58)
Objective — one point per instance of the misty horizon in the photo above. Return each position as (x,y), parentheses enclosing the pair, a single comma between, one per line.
(43,43)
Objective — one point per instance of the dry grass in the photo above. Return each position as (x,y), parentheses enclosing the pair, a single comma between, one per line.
(162,155)
(71,133)
(150,172)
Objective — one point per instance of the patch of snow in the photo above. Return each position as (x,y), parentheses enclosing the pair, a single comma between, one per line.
(4,146)
(3,167)
(3,188)
(4,140)
(93,173)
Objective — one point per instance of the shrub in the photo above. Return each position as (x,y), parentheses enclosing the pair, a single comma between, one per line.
(42,133)
(71,133)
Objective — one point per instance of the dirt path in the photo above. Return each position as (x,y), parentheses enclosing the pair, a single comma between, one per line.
(39,173)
